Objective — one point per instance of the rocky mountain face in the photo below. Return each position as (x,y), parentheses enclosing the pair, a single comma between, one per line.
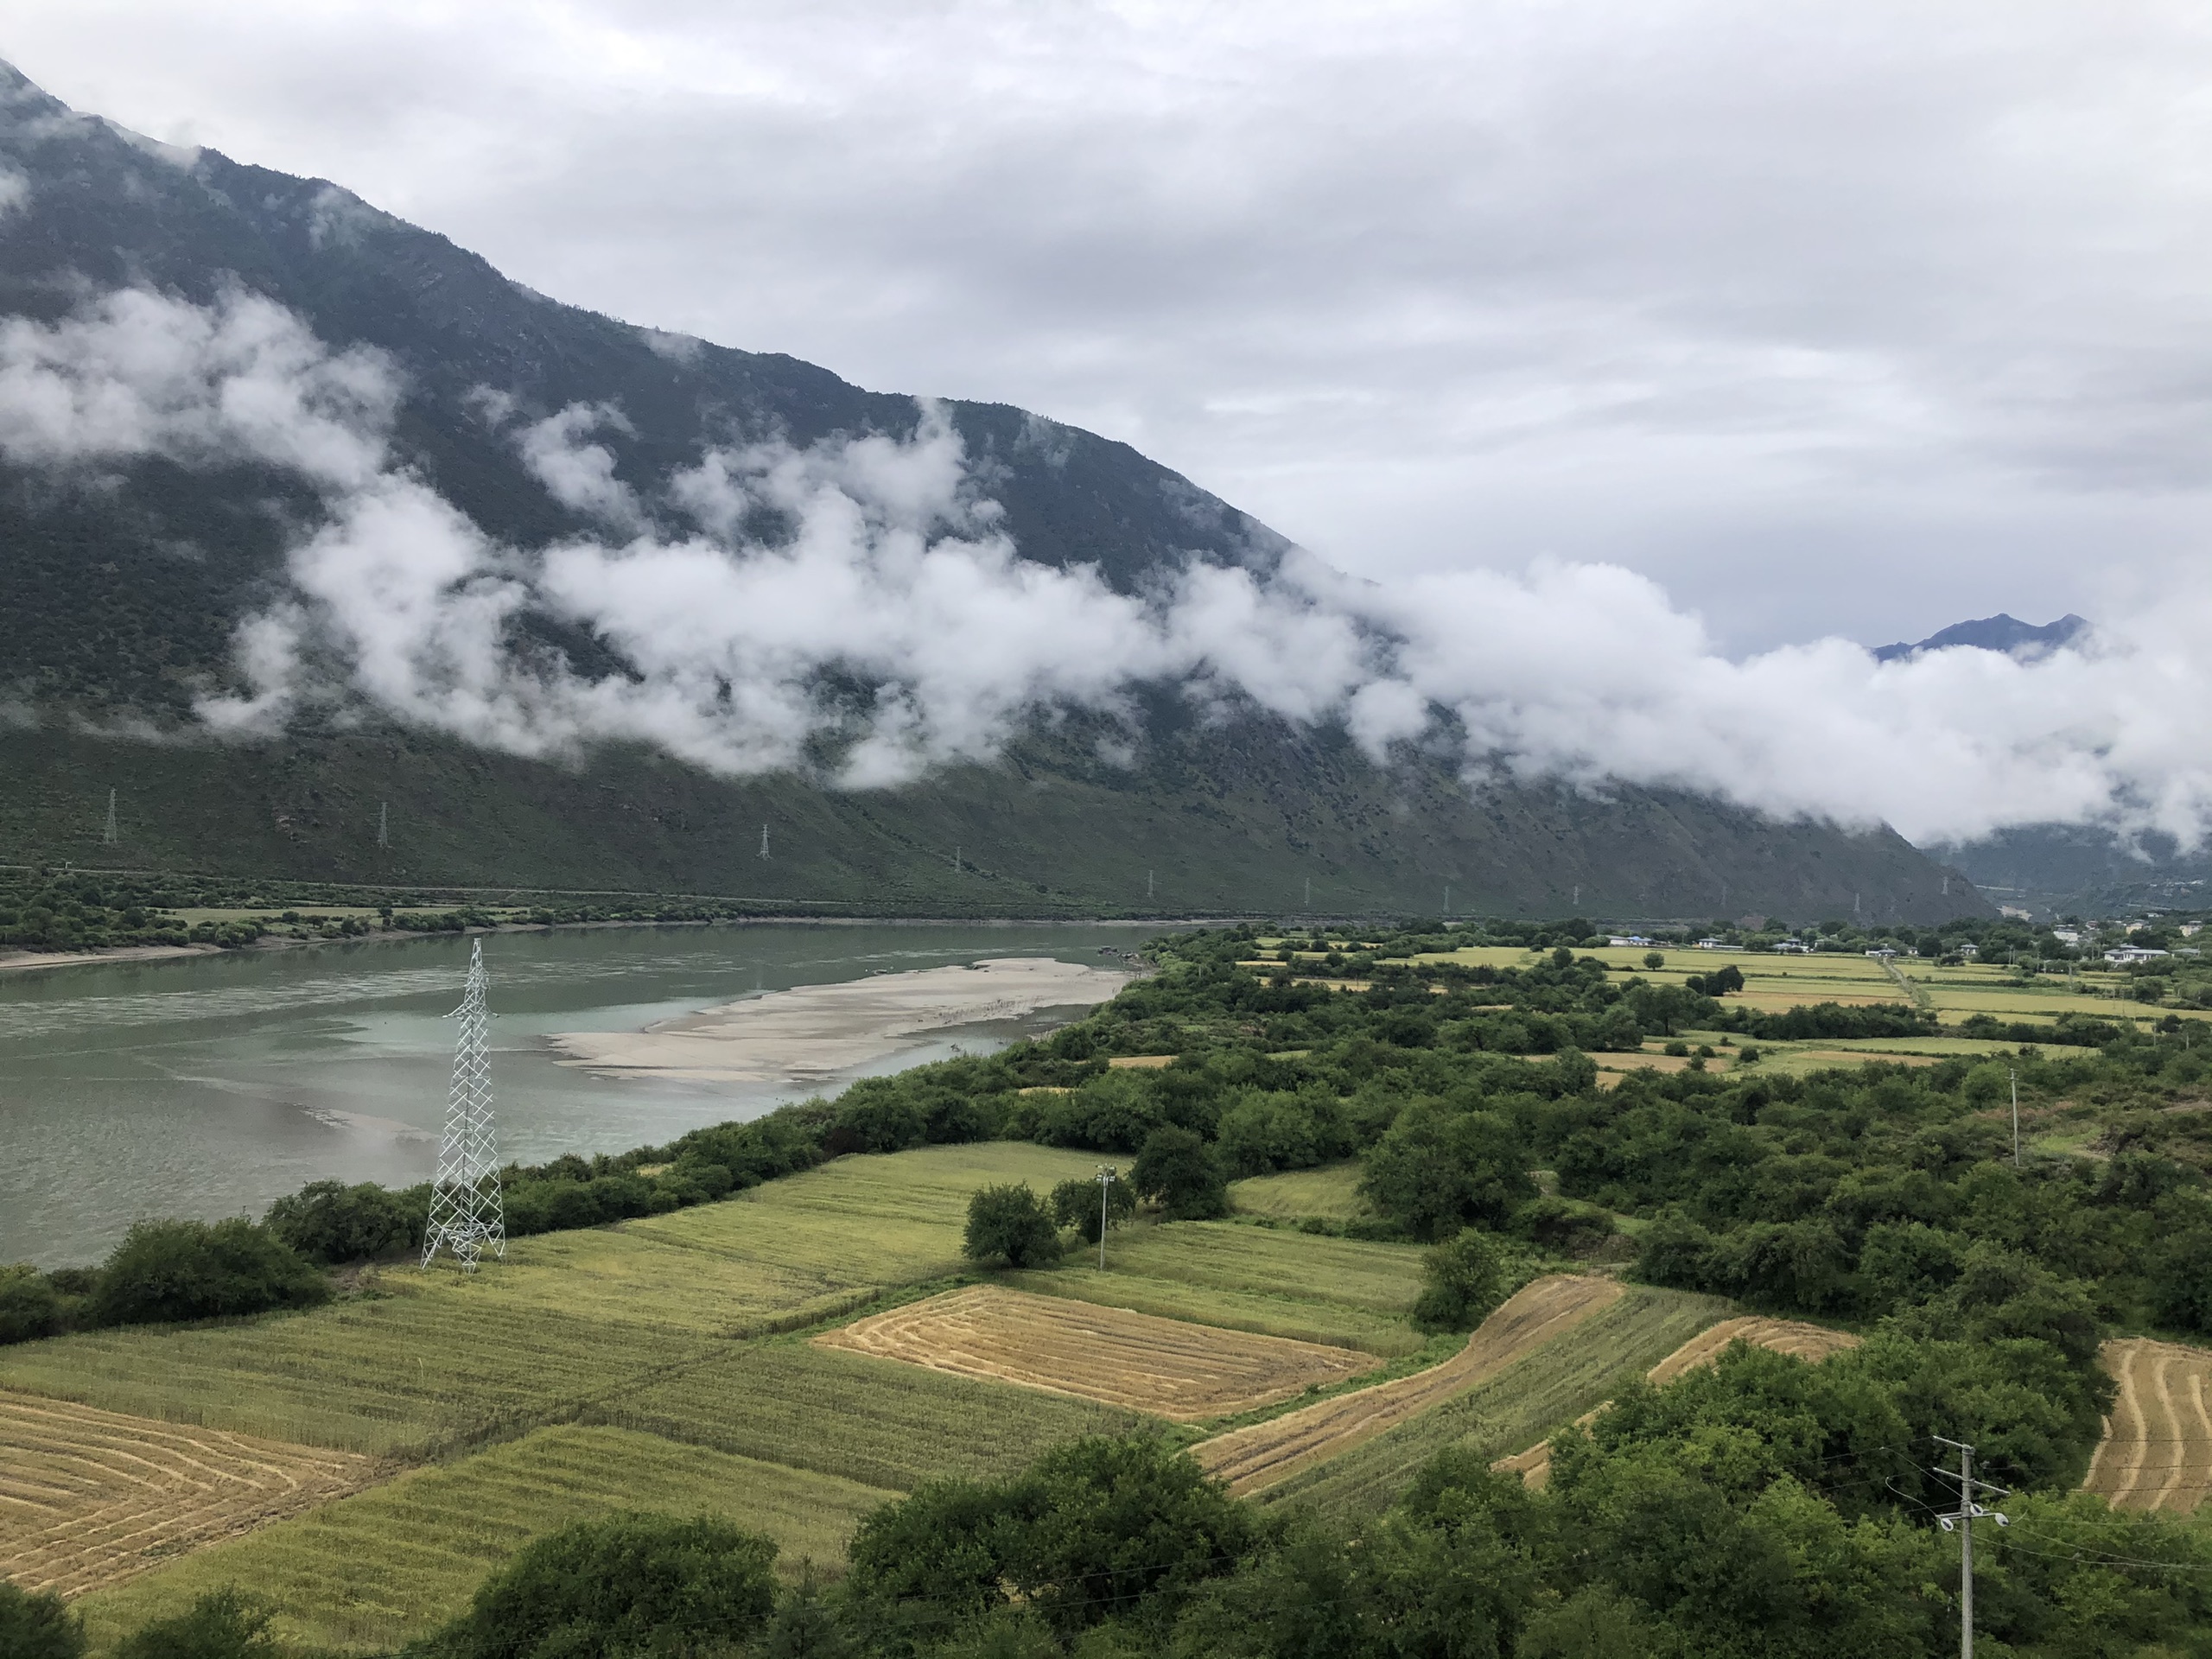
(122,589)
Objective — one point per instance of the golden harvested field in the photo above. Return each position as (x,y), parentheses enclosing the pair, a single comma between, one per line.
(1810,1342)
(1249,1459)
(1186,1373)
(1141,1062)
(387,1565)
(2156,1453)
(89,1498)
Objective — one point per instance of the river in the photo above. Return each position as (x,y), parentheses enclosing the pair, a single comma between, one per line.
(208,1086)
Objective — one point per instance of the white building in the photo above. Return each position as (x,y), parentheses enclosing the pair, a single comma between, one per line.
(2133,953)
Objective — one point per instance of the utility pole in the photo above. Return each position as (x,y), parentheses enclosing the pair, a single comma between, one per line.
(1962,1521)
(2015,1076)
(1106,1178)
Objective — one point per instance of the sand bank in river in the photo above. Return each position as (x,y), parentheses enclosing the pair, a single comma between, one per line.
(817,1031)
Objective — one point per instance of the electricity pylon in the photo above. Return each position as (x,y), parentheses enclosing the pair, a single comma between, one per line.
(466,1215)
(764,841)
(109,835)
(384,823)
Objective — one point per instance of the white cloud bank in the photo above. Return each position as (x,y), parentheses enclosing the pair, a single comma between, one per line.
(898,574)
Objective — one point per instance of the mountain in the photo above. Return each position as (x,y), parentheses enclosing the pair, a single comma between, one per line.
(123,587)
(2058,869)
(1997,633)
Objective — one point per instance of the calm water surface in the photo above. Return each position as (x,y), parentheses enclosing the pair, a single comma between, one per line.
(210,1086)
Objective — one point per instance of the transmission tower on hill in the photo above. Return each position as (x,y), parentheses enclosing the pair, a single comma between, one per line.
(109,835)
(467,1216)
(384,823)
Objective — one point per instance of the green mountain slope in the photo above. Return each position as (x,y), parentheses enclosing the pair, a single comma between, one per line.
(121,587)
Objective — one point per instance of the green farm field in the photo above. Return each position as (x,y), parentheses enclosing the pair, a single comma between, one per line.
(1532,1398)
(427,1362)
(384,1565)
(1274,1280)
(1331,1192)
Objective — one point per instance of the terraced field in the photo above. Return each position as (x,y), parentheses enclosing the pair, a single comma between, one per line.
(89,1498)
(1340,1292)
(1265,1453)
(1553,1383)
(1168,1368)
(1810,1342)
(381,1567)
(432,1361)
(1332,1193)
(2156,1452)
(876,1421)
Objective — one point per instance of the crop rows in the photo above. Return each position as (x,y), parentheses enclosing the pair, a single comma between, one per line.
(1262,1455)
(91,1497)
(1170,1368)
(378,1568)
(2156,1452)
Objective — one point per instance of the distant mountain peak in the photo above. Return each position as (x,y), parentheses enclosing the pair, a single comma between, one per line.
(1999,632)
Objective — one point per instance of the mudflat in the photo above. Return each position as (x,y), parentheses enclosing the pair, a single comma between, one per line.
(817,1031)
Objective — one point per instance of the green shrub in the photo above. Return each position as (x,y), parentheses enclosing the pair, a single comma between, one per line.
(1011,1224)
(169,1270)
(225,1624)
(1462,1280)
(627,1584)
(37,1626)
(30,1308)
(1077,1205)
(330,1221)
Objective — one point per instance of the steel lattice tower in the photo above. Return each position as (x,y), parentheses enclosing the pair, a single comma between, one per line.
(467,1216)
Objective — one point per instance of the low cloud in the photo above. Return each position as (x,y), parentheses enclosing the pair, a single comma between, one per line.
(892,571)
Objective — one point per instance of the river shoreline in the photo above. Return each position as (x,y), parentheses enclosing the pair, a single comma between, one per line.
(21,961)
(811,1034)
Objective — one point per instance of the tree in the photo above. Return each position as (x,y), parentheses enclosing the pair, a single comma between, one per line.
(1461,1281)
(1177,1169)
(2181,1279)
(1077,1204)
(632,1584)
(37,1625)
(1653,960)
(1098,1528)
(225,1624)
(1438,1170)
(166,1270)
(1011,1224)
(331,1222)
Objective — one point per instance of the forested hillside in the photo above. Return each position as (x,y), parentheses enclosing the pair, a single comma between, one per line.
(123,580)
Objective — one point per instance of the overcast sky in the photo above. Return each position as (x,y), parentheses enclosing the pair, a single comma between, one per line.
(1855,318)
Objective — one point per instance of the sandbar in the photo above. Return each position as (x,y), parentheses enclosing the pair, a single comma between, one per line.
(815,1032)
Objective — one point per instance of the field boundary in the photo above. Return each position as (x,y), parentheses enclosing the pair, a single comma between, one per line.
(1250,1459)
(1177,1369)
(1806,1341)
